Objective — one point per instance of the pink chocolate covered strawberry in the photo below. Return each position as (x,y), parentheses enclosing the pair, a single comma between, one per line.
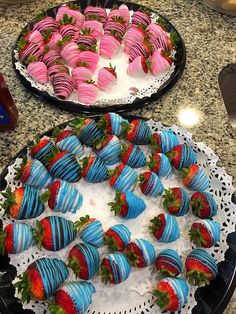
(160,62)
(52,40)
(109,46)
(95,27)
(87,92)
(140,49)
(38,71)
(99,12)
(27,50)
(81,73)
(72,13)
(45,22)
(50,57)
(154,31)
(134,35)
(70,53)
(57,68)
(117,24)
(90,58)
(107,78)
(34,36)
(138,68)
(63,85)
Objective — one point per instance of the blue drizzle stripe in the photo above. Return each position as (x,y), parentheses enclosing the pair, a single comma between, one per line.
(39,176)
(22,237)
(213,228)
(66,168)
(123,232)
(53,273)
(90,133)
(165,167)
(168,140)
(68,198)
(143,133)
(199,182)
(31,205)
(154,187)
(172,258)
(40,155)
(110,154)
(181,289)
(72,145)
(147,249)
(137,158)
(120,266)
(126,180)
(93,233)
(188,157)
(205,258)
(98,171)
(115,123)
(81,294)
(63,232)
(136,205)
(171,231)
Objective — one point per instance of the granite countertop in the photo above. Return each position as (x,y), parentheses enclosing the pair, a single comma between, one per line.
(210,40)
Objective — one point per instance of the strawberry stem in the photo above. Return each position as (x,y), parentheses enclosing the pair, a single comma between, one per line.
(24,286)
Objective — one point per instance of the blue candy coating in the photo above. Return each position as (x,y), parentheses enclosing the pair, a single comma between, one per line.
(154,187)
(165,169)
(180,288)
(22,237)
(136,205)
(137,158)
(126,180)
(39,176)
(110,154)
(53,273)
(72,145)
(147,249)
(68,199)
(91,255)
(80,293)
(31,205)
(89,133)
(171,232)
(188,157)
(40,155)
(123,232)
(171,257)
(168,140)
(92,233)
(206,259)
(120,266)
(115,123)
(98,171)
(199,182)
(66,168)
(143,133)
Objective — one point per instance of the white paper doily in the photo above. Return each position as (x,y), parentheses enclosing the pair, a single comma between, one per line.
(134,295)
(123,92)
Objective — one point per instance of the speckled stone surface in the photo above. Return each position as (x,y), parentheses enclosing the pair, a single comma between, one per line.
(210,40)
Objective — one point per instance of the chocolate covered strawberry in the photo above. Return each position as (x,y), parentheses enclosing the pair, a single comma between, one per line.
(86,42)
(45,22)
(123,178)
(16,238)
(63,85)
(90,231)
(94,169)
(40,148)
(33,36)
(176,201)
(111,123)
(33,173)
(171,294)
(154,31)
(194,178)
(83,259)
(137,132)
(70,53)
(150,184)
(28,50)
(90,58)
(108,148)
(51,57)
(73,298)
(134,35)
(115,25)
(127,205)
(107,78)
(87,131)
(142,16)
(203,205)
(87,92)
(38,71)
(132,156)
(66,140)
(159,164)
(110,45)
(168,263)
(41,279)
(81,73)
(22,203)
(201,267)
(138,67)
(63,197)
(205,233)
(99,12)
(163,142)
(114,268)
(165,228)
(95,27)
(117,237)
(140,50)
(181,156)
(140,253)
(160,62)
(54,233)
(72,13)
(63,165)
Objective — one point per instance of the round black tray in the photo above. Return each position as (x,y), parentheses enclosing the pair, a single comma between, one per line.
(211,299)
(180,60)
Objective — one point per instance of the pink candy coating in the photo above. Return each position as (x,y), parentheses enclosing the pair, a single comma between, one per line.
(81,74)
(46,23)
(77,16)
(133,35)
(87,93)
(158,63)
(63,85)
(96,28)
(35,37)
(91,58)
(70,53)
(106,80)
(53,41)
(69,30)
(154,30)
(38,71)
(136,68)
(109,46)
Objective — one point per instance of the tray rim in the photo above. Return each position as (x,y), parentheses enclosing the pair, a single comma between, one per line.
(221,306)
(137,103)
